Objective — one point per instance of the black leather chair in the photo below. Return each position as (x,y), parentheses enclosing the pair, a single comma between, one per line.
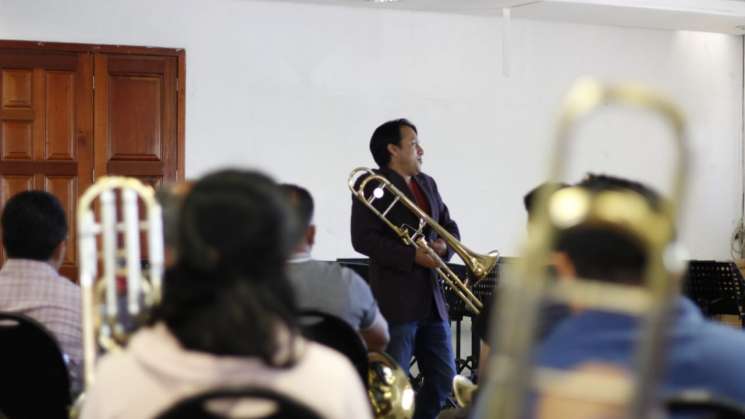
(703,405)
(35,380)
(337,334)
(204,406)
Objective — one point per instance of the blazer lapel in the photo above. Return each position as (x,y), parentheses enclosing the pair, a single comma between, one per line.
(402,214)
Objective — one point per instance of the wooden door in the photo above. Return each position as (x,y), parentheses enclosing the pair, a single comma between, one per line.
(70,113)
(136,116)
(46,122)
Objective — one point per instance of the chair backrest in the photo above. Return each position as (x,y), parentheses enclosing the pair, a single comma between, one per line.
(35,380)
(226,403)
(703,405)
(331,331)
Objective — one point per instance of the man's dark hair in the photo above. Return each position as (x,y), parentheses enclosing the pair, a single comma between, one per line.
(228,293)
(34,224)
(301,201)
(594,182)
(604,252)
(530,198)
(388,133)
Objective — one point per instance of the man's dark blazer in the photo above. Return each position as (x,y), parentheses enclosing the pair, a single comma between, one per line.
(405,291)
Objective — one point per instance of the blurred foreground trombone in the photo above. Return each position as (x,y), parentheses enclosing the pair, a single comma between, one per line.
(105,326)
(512,379)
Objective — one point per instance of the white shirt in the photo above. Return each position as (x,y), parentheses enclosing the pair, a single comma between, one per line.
(154,372)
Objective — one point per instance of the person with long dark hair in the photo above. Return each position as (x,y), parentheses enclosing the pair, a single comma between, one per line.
(227,314)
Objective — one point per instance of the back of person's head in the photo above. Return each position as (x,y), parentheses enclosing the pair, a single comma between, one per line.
(227,293)
(301,201)
(388,133)
(530,198)
(33,224)
(605,252)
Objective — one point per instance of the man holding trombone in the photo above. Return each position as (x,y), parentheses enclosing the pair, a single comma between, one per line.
(402,276)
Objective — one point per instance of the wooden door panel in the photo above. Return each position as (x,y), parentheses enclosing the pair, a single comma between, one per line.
(136,115)
(11,185)
(45,128)
(16,130)
(135,134)
(17,140)
(48,100)
(65,188)
(16,88)
(60,116)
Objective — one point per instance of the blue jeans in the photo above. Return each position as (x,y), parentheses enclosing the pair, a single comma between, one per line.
(430,342)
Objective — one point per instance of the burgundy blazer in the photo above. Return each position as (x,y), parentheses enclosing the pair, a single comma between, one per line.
(405,291)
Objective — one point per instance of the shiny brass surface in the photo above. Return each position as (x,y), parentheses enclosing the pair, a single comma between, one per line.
(113,242)
(511,375)
(389,389)
(463,390)
(479,265)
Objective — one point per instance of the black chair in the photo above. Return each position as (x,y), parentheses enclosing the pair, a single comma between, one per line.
(35,380)
(331,331)
(205,405)
(703,405)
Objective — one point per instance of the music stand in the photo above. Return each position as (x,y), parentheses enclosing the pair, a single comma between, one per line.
(717,288)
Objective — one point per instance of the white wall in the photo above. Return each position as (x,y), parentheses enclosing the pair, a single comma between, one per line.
(297,90)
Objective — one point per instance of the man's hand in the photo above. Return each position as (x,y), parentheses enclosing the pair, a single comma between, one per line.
(422,258)
(439,246)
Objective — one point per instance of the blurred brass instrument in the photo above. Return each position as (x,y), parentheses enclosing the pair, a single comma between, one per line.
(463,390)
(389,389)
(511,375)
(118,232)
(479,265)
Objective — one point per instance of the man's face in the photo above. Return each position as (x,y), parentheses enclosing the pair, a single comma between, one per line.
(408,155)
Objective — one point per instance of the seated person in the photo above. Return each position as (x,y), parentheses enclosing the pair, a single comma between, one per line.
(227,314)
(329,287)
(699,355)
(34,233)
(551,314)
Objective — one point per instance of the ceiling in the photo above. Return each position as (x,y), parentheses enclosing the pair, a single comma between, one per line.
(725,16)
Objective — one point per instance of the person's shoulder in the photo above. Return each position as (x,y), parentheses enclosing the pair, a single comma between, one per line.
(113,365)
(705,332)
(352,278)
(68,283)
(57,289)
(333,363)
(333,372)
(423,177)
(67,287)
(319,269)
(714,334)
(714,344)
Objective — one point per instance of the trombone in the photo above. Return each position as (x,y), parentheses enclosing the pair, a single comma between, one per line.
(512,377)
(479,265)
(103,326)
